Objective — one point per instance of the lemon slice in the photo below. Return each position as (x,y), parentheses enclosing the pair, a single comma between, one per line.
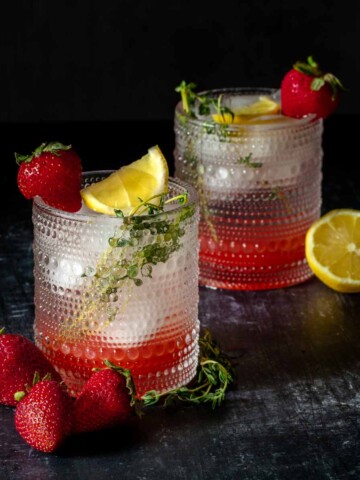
(248,113)
(332,249)
(123,189)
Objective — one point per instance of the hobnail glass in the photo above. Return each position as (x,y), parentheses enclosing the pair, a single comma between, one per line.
(259,187)
(127,292)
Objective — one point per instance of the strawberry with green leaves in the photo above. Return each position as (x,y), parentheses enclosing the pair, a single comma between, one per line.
(305,90)
(107,400)
(53,172)
(20,359)
(43,416)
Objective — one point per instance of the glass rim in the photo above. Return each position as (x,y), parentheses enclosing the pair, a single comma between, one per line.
(89,215)
(289,123)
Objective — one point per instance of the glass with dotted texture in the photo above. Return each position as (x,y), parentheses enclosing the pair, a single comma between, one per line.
(259,186)
(107,288)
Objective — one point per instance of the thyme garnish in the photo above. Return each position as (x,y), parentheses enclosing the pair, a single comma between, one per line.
(205,102)
(138,244)
(141,260)
(214,376)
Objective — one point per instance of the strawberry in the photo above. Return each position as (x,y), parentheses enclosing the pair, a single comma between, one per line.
(53,171)
(19,360)
(105,401)
(305,90)
(43,416)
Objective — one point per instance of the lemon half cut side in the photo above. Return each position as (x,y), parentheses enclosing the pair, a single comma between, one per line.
(332,249)
(126,187)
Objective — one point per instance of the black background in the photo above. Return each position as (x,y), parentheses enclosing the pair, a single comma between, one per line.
(111,60)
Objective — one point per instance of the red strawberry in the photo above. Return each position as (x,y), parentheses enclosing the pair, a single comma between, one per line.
(52,171)
(105,401)
(43,417)
(19,360)
(305,90)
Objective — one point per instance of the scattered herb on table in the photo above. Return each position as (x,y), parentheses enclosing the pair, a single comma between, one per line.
(214,376)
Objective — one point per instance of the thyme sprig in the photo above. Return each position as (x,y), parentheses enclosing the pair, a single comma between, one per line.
(214,376)
(139,243)
(205,102)
(138,262)
(152,208)
(249,162)
(168,234)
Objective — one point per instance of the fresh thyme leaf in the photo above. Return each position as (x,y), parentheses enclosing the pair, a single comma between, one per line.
(214,376)
(118,213)
(247,160)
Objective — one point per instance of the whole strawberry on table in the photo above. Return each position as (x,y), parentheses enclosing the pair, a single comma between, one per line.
(20,358)
(46,415)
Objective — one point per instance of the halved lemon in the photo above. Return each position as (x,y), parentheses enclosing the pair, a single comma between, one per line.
(248,113)
(125,188)
(332,248)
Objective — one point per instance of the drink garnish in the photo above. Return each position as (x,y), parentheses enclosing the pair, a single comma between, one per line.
(306,89)
(127,261)
(53,172)
(124,188)
(263,110)
(204,102)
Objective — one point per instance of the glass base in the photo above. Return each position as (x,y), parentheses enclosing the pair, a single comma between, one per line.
(247,278)
(164,373)
(143,383)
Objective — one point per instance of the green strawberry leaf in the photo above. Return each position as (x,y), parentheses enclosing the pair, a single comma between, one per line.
(55,146)
(317,83)
(52,147)
(310,67)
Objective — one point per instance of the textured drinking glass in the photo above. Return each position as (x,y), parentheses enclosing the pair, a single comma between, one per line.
(109,288)
(259,186)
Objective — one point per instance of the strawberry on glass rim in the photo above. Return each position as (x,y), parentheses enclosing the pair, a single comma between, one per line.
(306,90)
(53,172)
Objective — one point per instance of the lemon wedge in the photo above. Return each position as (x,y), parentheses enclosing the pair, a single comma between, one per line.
(332,249)
(125,188)
(248,113)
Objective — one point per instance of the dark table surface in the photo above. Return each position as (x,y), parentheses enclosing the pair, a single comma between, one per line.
(293,412)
